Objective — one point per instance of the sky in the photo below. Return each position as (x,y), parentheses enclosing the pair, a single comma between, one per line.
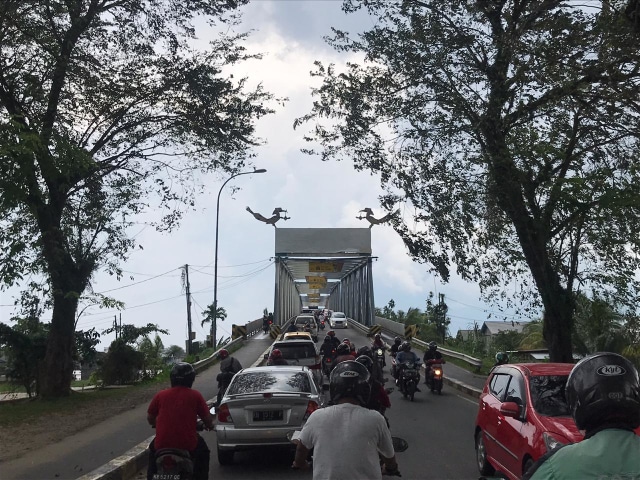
(315,194)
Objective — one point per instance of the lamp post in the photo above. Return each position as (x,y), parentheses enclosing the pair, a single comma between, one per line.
(215,267)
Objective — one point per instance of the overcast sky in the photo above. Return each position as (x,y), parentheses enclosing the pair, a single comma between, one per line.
(315,194)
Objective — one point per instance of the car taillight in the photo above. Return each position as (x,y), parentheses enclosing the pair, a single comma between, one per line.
(311,407)
(223,415)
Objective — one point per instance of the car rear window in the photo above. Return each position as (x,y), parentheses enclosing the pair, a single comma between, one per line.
(303,320)
(338,315)
(296,351)
(270,381)
(547,395)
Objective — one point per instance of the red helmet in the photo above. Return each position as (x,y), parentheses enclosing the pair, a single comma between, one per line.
(222,354)
(275,353)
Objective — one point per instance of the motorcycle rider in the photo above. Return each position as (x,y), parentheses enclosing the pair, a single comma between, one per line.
(343,353)
(229,366)
(431,353)
(334,340)
(603,394)
(265,323)
(396,346)
(378,342)
(173,412)
(333,430)
(276,358)
(501,359)
(405,354)
(379,398)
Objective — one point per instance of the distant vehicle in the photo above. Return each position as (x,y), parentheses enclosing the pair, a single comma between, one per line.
(297,336)
(261,406)
(300,352)
(307,323)
(338,320)
(522,414)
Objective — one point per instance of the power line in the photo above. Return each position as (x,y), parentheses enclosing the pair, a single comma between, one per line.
(136,283)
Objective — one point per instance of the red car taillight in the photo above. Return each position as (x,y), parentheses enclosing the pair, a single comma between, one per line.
(223,415)
(311,407)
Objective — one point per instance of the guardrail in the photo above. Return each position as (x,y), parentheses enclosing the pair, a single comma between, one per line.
(396,328)
(476,362)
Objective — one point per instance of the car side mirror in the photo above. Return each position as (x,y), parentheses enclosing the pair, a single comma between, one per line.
(510,409)
(266,356)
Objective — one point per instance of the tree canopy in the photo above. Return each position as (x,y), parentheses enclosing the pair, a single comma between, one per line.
(509,130)
(108,109)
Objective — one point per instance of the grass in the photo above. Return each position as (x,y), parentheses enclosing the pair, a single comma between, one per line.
(34,410)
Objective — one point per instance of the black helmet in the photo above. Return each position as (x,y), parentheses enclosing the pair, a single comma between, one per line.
(433,346)
(377,336)
(405,347)
(397,340)
(366,361)
(327,338)
(365,350)
(604,387)
(182,375)
(350,379)
(502,357)
(343,349)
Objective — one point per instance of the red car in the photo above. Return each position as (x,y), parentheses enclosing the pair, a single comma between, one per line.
(522,414)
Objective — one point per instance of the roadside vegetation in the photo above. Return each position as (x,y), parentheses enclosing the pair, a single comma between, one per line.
(597,327)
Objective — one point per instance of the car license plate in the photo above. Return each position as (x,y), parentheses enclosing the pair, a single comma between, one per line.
(267,415)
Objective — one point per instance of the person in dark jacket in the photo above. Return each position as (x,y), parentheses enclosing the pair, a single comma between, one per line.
(603,394)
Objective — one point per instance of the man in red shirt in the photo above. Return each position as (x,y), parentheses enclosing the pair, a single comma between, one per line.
(174,413)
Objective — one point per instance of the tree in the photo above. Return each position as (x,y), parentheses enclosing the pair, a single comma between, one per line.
(107,110)
(152,356)
(209,316)
(598,327)
(510,129)
(173,354)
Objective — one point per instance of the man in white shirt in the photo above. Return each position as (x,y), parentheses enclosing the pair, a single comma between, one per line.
(341,427)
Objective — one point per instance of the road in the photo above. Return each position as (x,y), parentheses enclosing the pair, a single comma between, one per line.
(439,430)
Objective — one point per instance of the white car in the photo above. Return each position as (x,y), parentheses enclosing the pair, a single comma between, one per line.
(338,320)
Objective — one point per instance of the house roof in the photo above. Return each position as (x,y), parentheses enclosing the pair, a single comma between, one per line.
(492,328)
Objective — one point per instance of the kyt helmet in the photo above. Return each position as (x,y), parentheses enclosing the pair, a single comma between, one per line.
(366,361)
(397,340)
(433,346)
(343,349)
(276,353)
(222,354)
(350,379)
(182,375)
(405,347)
(604,387)
(502,357)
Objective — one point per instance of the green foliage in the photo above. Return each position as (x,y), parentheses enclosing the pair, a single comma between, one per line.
(122,117)
(121,365)
(24,347)
(130,334)
(153,362)
(510,129)
(208,315)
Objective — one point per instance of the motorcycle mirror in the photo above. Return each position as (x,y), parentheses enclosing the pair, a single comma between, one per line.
(399,444)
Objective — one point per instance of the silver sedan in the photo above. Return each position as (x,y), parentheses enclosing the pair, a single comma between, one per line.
(262,405)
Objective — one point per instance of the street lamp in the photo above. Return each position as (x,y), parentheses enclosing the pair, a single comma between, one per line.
(215,267)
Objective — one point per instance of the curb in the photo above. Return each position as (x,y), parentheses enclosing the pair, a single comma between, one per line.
(463,387)
(123,467)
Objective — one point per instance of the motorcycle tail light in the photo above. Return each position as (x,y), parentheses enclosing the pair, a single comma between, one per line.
(437,372)
(168,462)
(311,407)
(223,415)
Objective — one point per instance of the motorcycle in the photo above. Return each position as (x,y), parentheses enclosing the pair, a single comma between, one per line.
(408,378)
(328,362)
(224,379)
(175,463)
(378,362)
(266,327)
(322,325)
(434,375)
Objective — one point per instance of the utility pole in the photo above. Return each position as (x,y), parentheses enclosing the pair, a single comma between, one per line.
(115,325)
(185,281)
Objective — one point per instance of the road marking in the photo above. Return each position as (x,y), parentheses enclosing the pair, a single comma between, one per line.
(467,399)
